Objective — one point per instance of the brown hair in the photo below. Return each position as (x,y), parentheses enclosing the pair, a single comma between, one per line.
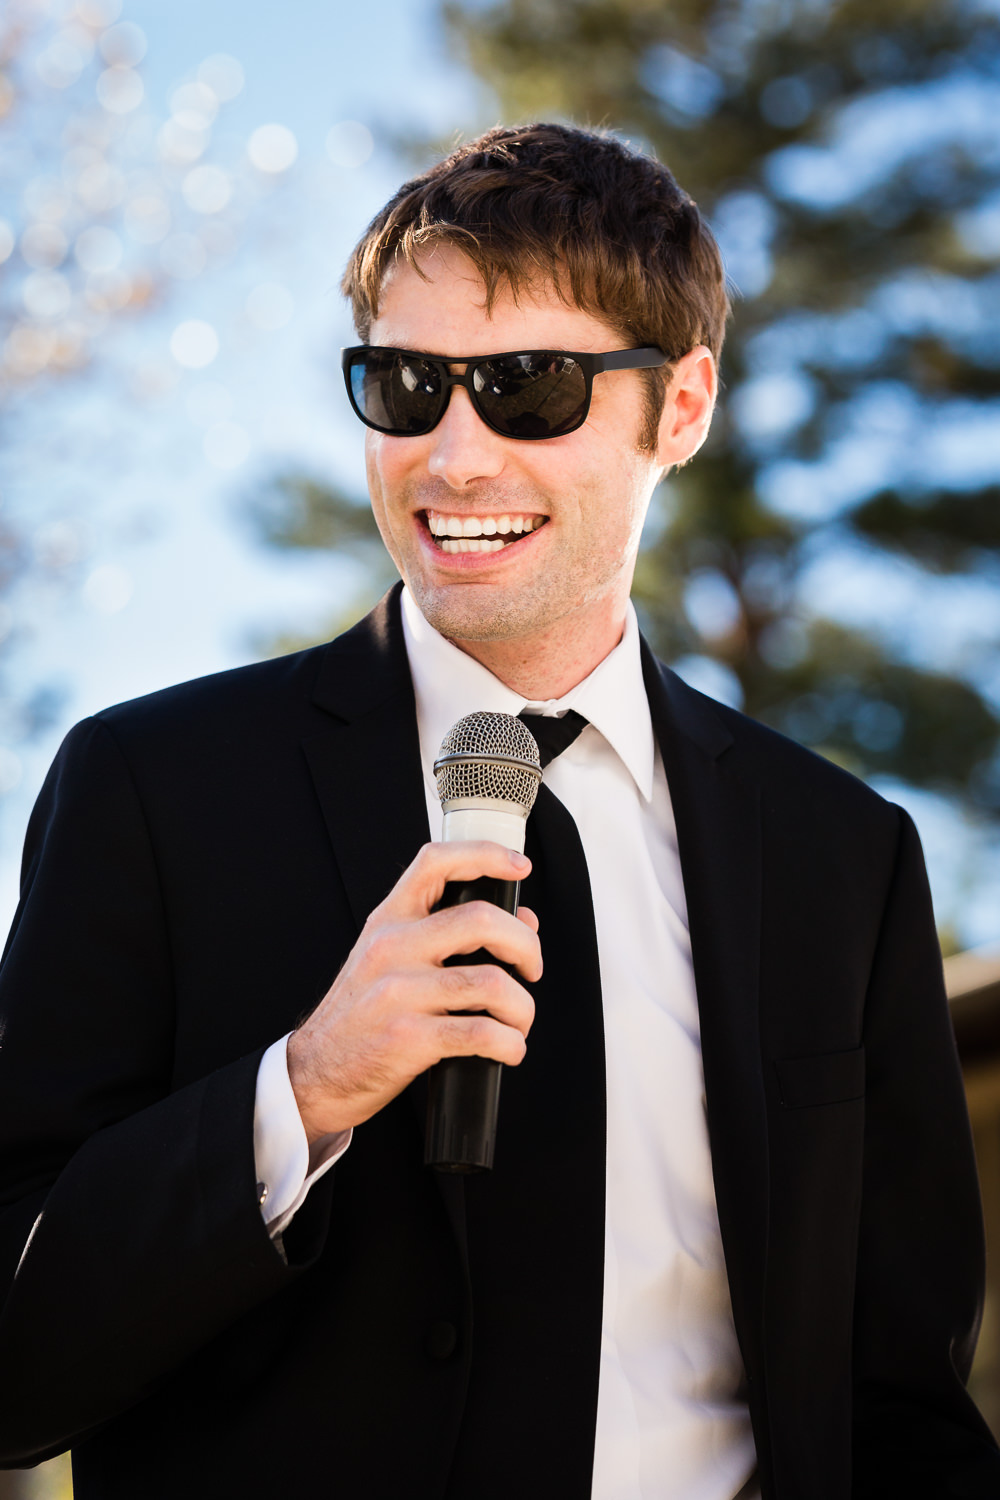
(606,225)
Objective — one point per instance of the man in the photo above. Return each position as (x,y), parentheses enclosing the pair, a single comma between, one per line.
(731,1241)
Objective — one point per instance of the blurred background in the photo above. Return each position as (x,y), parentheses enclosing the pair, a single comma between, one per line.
(181,481)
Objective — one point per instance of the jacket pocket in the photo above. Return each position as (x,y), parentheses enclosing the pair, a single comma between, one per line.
(828,1078)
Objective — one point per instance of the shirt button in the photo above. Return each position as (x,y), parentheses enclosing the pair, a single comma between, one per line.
(261,1193)
(441,1340)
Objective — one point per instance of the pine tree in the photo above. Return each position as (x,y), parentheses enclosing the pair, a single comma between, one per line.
(847,155)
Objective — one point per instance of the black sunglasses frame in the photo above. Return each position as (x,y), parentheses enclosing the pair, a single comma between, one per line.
(646,358)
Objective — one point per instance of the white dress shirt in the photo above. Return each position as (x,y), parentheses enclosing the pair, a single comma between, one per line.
(671,1422)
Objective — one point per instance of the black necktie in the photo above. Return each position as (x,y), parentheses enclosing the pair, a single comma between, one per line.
(536,1222)
(553,736)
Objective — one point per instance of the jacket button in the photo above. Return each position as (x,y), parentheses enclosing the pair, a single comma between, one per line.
(441,1340)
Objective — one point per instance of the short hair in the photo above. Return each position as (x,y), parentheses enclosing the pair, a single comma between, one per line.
(606,225)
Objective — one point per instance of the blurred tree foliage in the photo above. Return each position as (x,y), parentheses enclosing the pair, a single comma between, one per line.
(298,511)
(847,153)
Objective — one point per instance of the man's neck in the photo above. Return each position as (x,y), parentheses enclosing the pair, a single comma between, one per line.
(542,667)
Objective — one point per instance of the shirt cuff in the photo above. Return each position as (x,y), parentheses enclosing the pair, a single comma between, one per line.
(286,1169)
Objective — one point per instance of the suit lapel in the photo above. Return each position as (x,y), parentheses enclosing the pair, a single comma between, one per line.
(718,832)
(366,766)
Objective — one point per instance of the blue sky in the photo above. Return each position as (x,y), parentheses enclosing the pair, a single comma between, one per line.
(168,581)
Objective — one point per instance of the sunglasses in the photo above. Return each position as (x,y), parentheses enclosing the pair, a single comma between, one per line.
(531,394)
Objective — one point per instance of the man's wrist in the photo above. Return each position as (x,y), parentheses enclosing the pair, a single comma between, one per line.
(319,1114)
(287,1162)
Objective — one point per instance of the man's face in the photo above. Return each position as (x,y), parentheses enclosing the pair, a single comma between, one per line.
(569,509)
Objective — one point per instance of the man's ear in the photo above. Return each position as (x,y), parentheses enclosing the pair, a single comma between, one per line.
(687,410)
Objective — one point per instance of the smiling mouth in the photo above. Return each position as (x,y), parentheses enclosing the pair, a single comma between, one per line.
(479,533)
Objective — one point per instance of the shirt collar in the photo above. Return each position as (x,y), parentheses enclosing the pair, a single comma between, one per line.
(448,684)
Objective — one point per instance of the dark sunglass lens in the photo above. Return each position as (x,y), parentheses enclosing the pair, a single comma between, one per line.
(395,392)
(531,395)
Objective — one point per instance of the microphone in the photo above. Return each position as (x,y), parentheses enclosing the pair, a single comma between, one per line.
(488,772)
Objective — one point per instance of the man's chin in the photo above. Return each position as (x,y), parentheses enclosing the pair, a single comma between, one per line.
(470,613)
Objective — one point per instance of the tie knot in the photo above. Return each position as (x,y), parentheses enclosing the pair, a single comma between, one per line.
(553,735)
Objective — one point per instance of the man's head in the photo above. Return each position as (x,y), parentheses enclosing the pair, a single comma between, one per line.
(608,227)
(520,545)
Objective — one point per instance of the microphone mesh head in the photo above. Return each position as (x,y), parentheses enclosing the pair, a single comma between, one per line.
(489,757)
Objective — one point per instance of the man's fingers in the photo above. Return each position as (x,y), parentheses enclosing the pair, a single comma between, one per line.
(421,886)
(428,994)
(396,1007)
(398,947)
(479,1036)
(478,924)
(484,987)
(416,987)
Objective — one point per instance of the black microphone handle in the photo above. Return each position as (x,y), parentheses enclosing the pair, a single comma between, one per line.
(463,1093)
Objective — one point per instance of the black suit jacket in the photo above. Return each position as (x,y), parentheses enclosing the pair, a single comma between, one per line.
(197,867)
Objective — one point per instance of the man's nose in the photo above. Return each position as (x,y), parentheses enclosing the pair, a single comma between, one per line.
(463,449)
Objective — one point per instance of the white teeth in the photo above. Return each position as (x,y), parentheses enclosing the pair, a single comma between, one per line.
(476,528)
(470,544)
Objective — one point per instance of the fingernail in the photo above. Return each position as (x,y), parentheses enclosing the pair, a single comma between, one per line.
(521,860)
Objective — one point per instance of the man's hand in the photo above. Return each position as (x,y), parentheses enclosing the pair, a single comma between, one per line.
(390,1013)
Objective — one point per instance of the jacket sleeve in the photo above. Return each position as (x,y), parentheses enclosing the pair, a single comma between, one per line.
(921,1257)
(130,1233)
